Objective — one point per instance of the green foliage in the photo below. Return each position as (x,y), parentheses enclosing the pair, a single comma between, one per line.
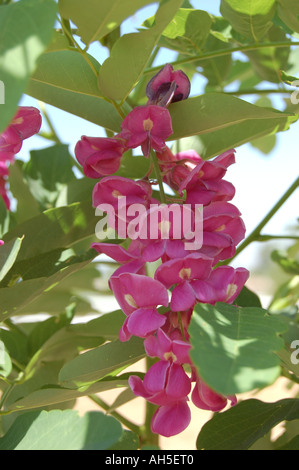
(218,132)
(25,32)
(232,347)
(130,54)
(62,430)
(250,19)
(239,427)
(97,19)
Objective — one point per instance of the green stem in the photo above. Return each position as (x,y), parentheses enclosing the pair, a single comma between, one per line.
(256,233)
(68,33)
(118,109)
(54,135)
(155,161)
(256,92)
(67,27)
(147,436)
(6,393)
(266,237)
(224,52)
(133,427)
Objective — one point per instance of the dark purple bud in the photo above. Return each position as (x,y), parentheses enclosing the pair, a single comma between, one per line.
(168,86)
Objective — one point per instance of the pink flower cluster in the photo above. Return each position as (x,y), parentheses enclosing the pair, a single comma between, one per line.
(25,124)
(159,308)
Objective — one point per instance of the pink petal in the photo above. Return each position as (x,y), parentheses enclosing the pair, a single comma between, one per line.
(170,420)
(182,298)
(144,321)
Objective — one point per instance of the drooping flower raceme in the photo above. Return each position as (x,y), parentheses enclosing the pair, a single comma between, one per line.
(158,308)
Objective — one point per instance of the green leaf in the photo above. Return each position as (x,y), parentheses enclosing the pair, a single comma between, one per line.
(97,19)
(67,341)
(265,144)
(288,79)
(224,121)
(241,426)
(62,430)
(292,368)
(288,11)
(22,293)
(65,80)
(293,444)
(54,229)
(134,167)
(252,19)
(25,31)
(16,344)
(45,394)
(233,347)
(269,61)
(5,361)
(44,330)
(6,219)
(47,173)
(130,54)
(187,31)
(27,206)
(93,365)
(128,441)
(217,69)
(289,265)
(8,254)
(247,298)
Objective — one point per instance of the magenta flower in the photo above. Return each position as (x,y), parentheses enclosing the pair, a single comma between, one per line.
(120,198)
(1,242)
(206,399)
(223,229)
(4,172)
(148,127)
(99,156)
(25,124)
(112,189)
(224,285)
(168,86)
(165,384)
(168,348)
(182,273)
(162,231)
(119,253)
(204,183)
(131,260)
(139,296)
(176,168)
(10,144)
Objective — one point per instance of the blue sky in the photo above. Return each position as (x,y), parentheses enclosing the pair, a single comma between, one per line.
(259,180)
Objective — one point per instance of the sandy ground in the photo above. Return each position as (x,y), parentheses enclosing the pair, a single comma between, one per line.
(135,409)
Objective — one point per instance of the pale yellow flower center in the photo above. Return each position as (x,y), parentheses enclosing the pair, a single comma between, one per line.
(117,194)
(185,273)
(231,290)
(170,355)
(148,125)
(164,228)
(129,299)
(18,120)
(220,229)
